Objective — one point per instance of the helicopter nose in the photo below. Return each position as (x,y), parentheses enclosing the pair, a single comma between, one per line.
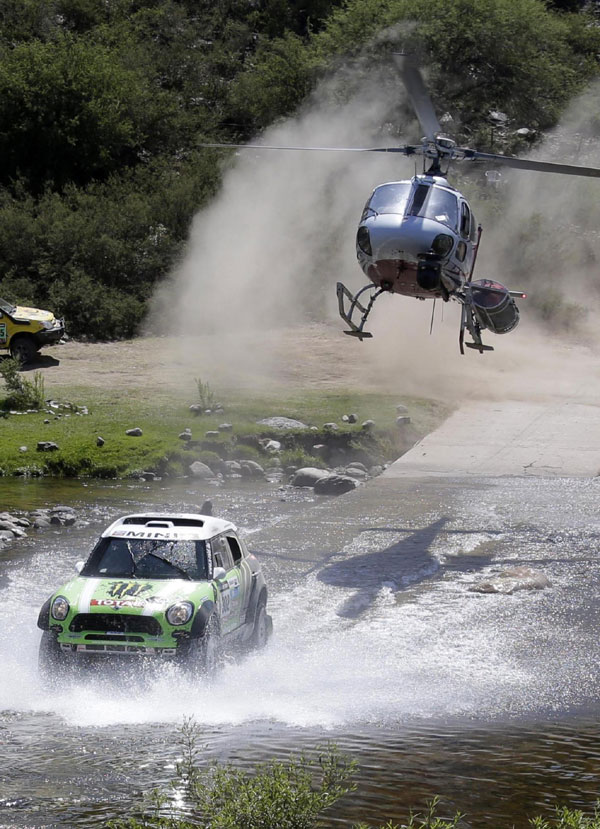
(393,237)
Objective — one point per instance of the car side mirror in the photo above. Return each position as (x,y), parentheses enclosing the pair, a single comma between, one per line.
(219,573)
(79,566)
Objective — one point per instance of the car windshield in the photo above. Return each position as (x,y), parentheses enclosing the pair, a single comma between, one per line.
(148,559)
(6,306)
(388,198)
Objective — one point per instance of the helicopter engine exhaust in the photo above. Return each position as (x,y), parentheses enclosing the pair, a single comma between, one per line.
(494,306)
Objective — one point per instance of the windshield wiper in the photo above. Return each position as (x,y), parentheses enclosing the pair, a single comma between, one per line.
(171,564)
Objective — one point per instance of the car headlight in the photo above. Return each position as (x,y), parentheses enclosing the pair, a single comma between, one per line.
(442,244)
(59,609)
(180,613)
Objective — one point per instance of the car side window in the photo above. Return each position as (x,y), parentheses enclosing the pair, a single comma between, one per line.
(221,554)
(236,550)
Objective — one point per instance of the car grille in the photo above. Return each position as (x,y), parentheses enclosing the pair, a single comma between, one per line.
(115,622)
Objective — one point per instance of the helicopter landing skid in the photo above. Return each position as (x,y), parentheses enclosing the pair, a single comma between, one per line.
(344,294)
(468,321)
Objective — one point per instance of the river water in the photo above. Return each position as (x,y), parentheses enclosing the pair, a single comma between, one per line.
(490,701)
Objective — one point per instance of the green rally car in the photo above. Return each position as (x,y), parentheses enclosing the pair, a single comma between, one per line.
(177,586)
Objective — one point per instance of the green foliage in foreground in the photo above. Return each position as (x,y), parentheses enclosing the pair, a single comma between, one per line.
(288,794)
(291,794)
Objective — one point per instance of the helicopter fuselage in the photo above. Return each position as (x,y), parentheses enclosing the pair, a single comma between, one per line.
(417,238)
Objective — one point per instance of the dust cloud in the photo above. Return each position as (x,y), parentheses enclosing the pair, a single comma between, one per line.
(257,286)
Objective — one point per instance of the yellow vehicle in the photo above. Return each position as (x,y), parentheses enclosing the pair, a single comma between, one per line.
(23,331)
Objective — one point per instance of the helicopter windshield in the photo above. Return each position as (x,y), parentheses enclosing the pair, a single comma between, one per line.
(389,198)
(431,202)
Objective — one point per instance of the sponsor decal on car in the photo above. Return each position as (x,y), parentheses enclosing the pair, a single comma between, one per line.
(117,603)
(120,589)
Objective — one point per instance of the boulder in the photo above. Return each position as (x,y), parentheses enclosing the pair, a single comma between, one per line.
(100,441)
(368,425)
(134,433)
(308,476)
(212,433)
(402,420)
(201,470)
(335,485)
(345,419)
(47,446)
(401,409)
(512,580)
(225,427)
(272,446)
(185,435)
(330,427)
(282,423)
(232,468)
(251,469)
(355,472)
(352,418)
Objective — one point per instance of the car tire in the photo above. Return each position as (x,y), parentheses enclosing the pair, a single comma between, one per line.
(263,627)
(206,654)
(23,348)
(51,659)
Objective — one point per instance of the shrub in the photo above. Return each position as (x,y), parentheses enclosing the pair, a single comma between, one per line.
(206,395)
(288,795)
(22,394)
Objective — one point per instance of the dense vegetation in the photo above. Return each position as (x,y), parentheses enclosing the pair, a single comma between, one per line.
(103,105)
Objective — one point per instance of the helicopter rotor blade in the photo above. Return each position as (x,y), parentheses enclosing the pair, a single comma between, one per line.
(419,97)
(405,150)
(530,164)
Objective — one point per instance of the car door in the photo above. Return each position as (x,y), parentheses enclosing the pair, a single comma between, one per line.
(244,574)
(229,586)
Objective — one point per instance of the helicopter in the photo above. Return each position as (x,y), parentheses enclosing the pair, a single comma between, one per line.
(419,237)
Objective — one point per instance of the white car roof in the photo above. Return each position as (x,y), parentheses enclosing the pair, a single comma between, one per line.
(168,526)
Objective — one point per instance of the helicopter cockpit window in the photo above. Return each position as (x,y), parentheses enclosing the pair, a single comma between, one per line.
(389,198)
(442,206)
(465,220)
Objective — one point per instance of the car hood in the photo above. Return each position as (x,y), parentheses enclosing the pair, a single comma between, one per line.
(38,314)
(141,596)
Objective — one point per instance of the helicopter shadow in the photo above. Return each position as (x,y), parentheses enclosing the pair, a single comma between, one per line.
(39,361)
(403,564)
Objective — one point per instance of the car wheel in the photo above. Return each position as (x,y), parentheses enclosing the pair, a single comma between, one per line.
(206,654)
(51,659)
(23,349)
(263,627)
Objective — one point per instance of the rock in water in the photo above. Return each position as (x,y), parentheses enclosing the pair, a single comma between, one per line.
(510,581)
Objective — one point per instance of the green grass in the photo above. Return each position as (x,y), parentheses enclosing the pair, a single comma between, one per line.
(163,417)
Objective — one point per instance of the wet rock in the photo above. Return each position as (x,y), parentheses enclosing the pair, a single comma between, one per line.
(47,446)
(232,468)
(149,476)
(201,470)
(63,520)
(251,469)
(335,485)
(100,441)
(6,535)
(134,433)
(510,581)
(41,523)
(308,476)
(358,474)
(282,423)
